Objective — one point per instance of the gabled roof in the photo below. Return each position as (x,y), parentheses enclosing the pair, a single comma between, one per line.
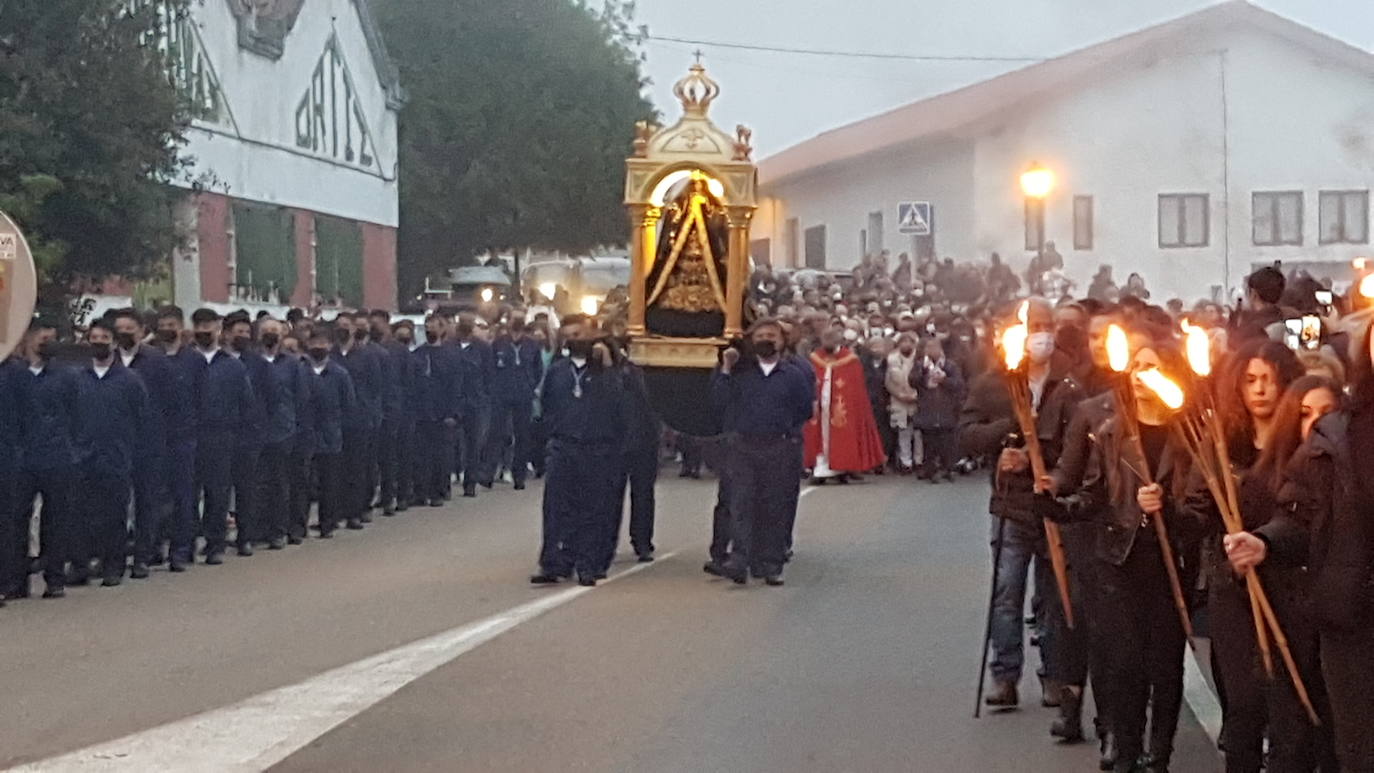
(946,114)
(386,67)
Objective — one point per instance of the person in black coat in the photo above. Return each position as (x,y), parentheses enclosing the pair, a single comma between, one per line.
(394,361)
(583,404)
(403,343)
(360,423)
(517,371)
(939,382)
(282,463)
(12,374)
(112,413)
(639,468)
(332,412)
(48,465)
(224,395)
(874,357)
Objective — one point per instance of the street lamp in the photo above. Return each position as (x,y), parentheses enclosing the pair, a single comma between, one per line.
(1036,184)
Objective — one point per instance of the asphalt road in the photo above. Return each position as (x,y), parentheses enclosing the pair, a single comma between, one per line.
(865,661)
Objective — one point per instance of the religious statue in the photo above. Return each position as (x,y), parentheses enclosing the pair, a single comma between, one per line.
(744,148)
(644,131)
(686,287)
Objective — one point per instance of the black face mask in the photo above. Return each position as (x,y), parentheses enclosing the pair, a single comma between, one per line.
(580,348)
(47,349)
(241,343)
(765,349)
(100,351)
(167,336)
(270,339)
(343,336)
(125,340)
(319,353)
(205,340)
(360,334)
(375,335)
(405,341)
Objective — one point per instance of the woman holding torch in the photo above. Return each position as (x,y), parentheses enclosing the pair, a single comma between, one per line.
(1137,473)
(1326,523)
(1247,402)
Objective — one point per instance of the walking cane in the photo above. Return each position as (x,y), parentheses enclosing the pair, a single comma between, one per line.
(987,632)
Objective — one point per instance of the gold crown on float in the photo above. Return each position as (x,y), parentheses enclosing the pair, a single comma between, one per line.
(696,91)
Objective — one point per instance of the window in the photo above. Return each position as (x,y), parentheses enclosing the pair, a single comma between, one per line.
(1276,218)
(1343,216)
(761,250)
(1183,220)
(1082,222)
(339,260)
(1035,224)
(815,247)
(874,242)
(792,236)
(863,242)
(264,252)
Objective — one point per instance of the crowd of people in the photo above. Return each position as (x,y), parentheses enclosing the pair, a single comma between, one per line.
(238,425)
(146,439)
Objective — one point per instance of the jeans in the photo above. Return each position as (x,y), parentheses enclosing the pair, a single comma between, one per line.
(1022,543)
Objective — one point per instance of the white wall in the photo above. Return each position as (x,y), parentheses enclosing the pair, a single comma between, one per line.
(263,94)
(842,196)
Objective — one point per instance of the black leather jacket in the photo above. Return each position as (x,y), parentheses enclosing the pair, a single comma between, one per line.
(1326,525)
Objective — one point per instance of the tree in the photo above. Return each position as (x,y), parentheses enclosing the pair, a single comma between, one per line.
(519,119)
(90,132)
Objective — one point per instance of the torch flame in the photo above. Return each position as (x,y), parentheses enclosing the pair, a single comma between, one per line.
(1367,286)
(1118,348)
(1167,391)
(1199,349)
(1014,345)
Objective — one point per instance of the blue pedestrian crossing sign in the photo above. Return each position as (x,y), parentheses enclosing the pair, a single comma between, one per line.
(913,217)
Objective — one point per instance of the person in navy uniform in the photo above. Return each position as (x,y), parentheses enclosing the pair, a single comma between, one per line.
(638,468)
(238,330)
(169,411)
(280,462)
(517,370)
(403,335)
(394,362)
(48,465)
(362,424)
(181,433)
(583,406)
(476,365)
(225,406)
(13,373)
(438,404)
(329,404)
(112,417)
(769,396)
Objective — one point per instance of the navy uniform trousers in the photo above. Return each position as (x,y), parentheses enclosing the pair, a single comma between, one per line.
(765,484)
(580,487)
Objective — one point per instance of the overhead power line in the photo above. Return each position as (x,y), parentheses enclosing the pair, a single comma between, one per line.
(846,54)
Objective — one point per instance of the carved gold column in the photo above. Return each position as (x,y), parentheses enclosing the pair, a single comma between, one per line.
(643,219)
(737,268)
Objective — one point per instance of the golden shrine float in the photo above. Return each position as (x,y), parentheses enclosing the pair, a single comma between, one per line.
(690,190)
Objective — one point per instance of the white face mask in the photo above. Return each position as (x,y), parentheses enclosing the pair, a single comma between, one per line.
(851,335)
(887,331)
(1040,347)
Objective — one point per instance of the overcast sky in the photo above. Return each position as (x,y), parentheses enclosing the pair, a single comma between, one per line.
(788,98)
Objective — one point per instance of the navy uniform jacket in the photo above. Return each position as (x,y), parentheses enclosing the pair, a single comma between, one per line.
(222,392)
(774,405)
(365,369)
(396,374)
(48,417)
(477,366)
(288,378)
(264,404)
(330,400)
(437,387)
(642,428)
(517,369)
(169,409)
(595,418)
(112,416)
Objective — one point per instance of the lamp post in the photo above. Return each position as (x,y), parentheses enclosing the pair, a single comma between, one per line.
(1036,183)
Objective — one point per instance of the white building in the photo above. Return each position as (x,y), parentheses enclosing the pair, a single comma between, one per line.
(1190,152)
(294,141)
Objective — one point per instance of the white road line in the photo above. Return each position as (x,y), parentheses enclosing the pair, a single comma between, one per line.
(265,729)
(1201,700)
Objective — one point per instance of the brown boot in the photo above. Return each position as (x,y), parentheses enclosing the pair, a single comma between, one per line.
(1003,696)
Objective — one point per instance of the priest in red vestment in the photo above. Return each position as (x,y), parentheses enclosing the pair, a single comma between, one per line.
(842,437)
